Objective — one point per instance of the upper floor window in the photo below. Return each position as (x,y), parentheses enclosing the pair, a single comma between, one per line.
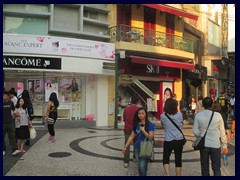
(91,15)
(27,7)
(34,26)
(65,17)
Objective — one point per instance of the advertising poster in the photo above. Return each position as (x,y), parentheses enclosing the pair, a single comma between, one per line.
(38,86)
(20,88)
(35,85)
(165,92)
(58,46)
(69,85)
(49,89)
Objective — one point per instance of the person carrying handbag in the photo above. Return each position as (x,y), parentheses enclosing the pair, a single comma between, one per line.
(173,137)
(51,113)
(143,129)
(215,140)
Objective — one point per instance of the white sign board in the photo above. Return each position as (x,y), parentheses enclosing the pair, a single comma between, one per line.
(57,46)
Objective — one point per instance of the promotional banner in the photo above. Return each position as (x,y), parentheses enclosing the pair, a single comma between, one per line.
(20,88)
(50,88)
(57,46)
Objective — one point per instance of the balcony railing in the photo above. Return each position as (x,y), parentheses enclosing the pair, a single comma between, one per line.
(149,37)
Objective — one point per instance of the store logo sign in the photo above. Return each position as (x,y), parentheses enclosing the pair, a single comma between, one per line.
(151,69)
(31,62)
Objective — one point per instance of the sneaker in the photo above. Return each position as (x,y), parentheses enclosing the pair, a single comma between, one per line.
(22,150)
(134,160)
(16,152)
(126,165)
(4,153)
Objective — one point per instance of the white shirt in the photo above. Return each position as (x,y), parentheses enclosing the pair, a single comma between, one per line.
(194,105)
(232,101)
(216,130)
(14,100)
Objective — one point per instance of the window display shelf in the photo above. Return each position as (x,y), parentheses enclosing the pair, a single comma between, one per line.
(67,111)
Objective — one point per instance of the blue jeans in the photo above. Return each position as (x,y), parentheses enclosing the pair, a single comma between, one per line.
(215,155)
(142,163)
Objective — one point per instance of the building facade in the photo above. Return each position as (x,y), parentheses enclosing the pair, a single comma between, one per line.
(155,51)
(50,48)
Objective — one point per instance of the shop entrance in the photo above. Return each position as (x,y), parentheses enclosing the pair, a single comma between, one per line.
(68,86)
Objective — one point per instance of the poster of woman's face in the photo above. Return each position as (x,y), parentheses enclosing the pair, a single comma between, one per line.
(38,85)
(30,86)
(167,90)
(35,85)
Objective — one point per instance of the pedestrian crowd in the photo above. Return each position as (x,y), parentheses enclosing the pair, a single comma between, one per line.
(209,116)
(17,119)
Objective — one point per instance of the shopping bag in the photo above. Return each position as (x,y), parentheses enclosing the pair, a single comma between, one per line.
(146,149)
(33,133)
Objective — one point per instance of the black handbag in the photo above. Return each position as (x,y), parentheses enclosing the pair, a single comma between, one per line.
(184,139)
(199,143)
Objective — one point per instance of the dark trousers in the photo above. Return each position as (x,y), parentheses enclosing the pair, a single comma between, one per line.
(168,147)
(215,155)
(184,115)
(10,130)
(51,129)
(127,152)
(193,114)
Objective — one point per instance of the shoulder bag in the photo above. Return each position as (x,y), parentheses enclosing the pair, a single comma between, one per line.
(199,143)
(146,149)
(50,120)
(184,139)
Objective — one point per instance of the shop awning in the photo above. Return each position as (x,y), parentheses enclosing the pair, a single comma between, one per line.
(159,62)
(172,10)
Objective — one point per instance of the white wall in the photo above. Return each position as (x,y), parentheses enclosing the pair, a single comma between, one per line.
(102,97)
(97,98)
(231,28)
(85,65)
(91,95)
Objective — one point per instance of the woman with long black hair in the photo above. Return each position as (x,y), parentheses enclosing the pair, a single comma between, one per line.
(51,112)
(29,106)
(142,129)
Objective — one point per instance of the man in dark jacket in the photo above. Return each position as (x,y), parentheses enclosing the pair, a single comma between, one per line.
(9,124)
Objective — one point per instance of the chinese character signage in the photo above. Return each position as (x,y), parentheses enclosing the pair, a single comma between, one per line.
(57,46)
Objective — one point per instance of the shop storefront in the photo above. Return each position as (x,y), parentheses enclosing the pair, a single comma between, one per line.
(148,78)
(71,68)
(217,77)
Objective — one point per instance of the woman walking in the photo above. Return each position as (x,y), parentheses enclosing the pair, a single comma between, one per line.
(173,138)
(22,124)
(193,106)
(51,112)
(142,129)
